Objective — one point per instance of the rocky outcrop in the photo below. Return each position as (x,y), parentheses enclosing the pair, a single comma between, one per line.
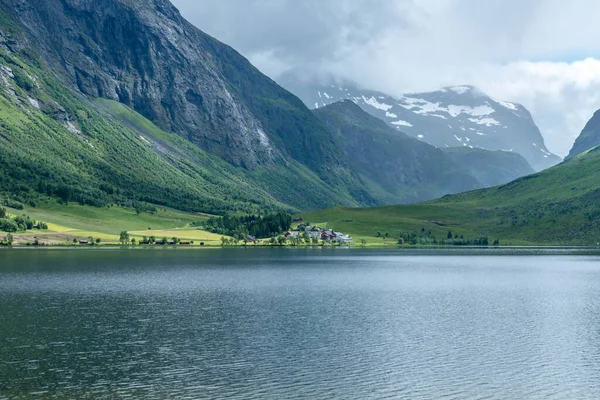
(589,137)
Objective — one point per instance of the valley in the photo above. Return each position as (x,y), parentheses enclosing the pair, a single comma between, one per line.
(100,135)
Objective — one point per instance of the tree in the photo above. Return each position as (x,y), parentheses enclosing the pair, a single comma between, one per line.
(133,241)
(9,239)
(91,240)
(223,240)
(145,240)
(449,234)
(74,240)
(496,242)
(152,240)
(378,234)
(306,237)
(400,241)
(315,241)
(124,237)
(98,240)
(175,240)
(363,242)
(281,240)
(2,212)
(165,240)
(7,225)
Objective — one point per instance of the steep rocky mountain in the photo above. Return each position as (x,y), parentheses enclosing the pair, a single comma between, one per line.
(401,169)
(589,137)
(144,55)
(460,116)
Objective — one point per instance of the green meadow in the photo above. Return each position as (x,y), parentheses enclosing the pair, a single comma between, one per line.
(559,206)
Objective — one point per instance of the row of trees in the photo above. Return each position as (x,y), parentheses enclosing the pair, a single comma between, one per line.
(427,238)
(124,239)
(240,227)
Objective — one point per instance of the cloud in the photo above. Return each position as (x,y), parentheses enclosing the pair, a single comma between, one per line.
(541,53)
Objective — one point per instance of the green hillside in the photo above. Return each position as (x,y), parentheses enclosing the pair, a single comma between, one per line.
(259,144)
(59,145)
(559,206)
(56,143)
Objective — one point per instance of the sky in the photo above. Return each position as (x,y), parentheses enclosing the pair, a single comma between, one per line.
(544,54)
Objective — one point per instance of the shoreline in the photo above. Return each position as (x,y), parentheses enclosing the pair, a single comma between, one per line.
(432,250)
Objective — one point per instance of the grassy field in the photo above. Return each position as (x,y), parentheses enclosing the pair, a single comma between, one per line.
(68,222)
(559,206)
(195,235)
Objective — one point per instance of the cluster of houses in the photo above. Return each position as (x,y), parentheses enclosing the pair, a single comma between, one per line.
(316,232)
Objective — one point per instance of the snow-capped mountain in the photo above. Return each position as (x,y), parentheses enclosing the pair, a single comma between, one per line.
(458,116)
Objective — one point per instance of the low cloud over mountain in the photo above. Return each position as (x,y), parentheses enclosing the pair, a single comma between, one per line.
(511,49)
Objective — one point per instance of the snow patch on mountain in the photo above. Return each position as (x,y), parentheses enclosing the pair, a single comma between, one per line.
(401,123)
(420,106)
(484,121)
(442,116)
(506,104)
(459,89)
(374,103)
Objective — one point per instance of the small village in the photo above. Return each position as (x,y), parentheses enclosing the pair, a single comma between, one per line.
(315,232)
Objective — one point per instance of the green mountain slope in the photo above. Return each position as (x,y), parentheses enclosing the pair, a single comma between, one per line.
(56,143)
(145,55)
(557,206)
(400,169)
(60,143)
(589,137)
(490,168)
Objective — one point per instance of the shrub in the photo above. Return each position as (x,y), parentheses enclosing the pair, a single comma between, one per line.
(13,204)
(7,225)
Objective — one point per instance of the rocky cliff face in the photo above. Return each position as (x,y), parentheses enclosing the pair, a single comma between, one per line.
(589,137)
(145,55)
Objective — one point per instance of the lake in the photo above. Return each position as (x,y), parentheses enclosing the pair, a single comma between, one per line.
(299,324)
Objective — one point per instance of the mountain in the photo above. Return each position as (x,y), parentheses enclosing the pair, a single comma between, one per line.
(61,57)
(459,116)
(125,102)
(589,137)
(557,206)
(401,169)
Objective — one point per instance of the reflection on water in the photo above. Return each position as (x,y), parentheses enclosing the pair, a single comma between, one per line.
(276,324)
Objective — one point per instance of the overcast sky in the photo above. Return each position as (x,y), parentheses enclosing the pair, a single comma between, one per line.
(544,54)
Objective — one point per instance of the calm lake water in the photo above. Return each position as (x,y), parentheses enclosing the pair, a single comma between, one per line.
(299,324)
